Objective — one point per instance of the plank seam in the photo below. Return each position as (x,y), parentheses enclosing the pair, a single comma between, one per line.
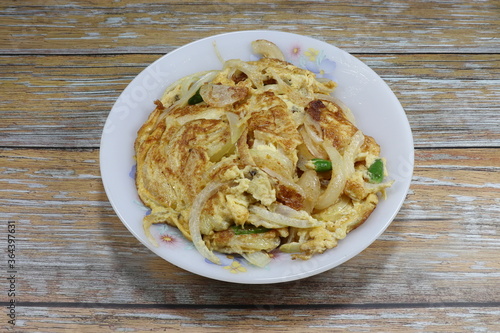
(72,148)
(96,54)
(371,306)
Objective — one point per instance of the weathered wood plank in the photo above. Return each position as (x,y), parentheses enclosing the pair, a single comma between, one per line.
(63,101)
(125,26)
(102,319)
(442,247)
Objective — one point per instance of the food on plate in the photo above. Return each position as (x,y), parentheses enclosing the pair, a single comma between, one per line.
(257,157)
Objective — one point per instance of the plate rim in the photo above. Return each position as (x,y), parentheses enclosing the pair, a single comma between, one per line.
(238,278)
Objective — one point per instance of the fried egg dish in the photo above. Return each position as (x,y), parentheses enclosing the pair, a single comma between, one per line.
(257,157)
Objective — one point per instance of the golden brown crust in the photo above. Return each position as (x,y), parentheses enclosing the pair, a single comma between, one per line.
(290,197)
(315,109)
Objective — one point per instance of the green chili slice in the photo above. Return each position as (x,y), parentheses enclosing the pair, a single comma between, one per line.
(376,171)
(319,164)
(239,230)
(196,98)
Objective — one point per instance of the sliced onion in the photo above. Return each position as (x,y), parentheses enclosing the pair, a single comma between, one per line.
(293,247)
(345,109)
(337,182)
(283,220)
(234,126)
(236,131)
(304,156)
(313,128)
(250,71)
(217,52)
(219,95)
(267,49)
(283,87)
(258,221)
(352,151)
(226,149)
(194,220)
(243,150)
(189,86)
(290,212)
(309,181)
(284,181)
(260,259)
(293,234)
(193,81)
(310,145)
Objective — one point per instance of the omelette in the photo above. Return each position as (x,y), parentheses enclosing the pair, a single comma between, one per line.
(255,158)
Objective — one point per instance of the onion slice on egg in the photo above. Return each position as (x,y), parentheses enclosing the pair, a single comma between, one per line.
(267,49)
(345,109)
(352,151)
(284,181)
(306,221)
(309,143)
(259,258)
(194,220)
(338,180)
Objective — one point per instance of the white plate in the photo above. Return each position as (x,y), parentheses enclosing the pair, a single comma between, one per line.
(378,112)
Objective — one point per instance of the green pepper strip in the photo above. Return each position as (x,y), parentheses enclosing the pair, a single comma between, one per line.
(196,98)
(239,230)
(376,171)
(320,165)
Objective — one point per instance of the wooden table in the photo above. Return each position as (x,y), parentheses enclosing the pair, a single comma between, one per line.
(78,269)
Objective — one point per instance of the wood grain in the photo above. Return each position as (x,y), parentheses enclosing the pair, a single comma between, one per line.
(136,319)
(63,101)
(442,247)
(435,269)
(124,26)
